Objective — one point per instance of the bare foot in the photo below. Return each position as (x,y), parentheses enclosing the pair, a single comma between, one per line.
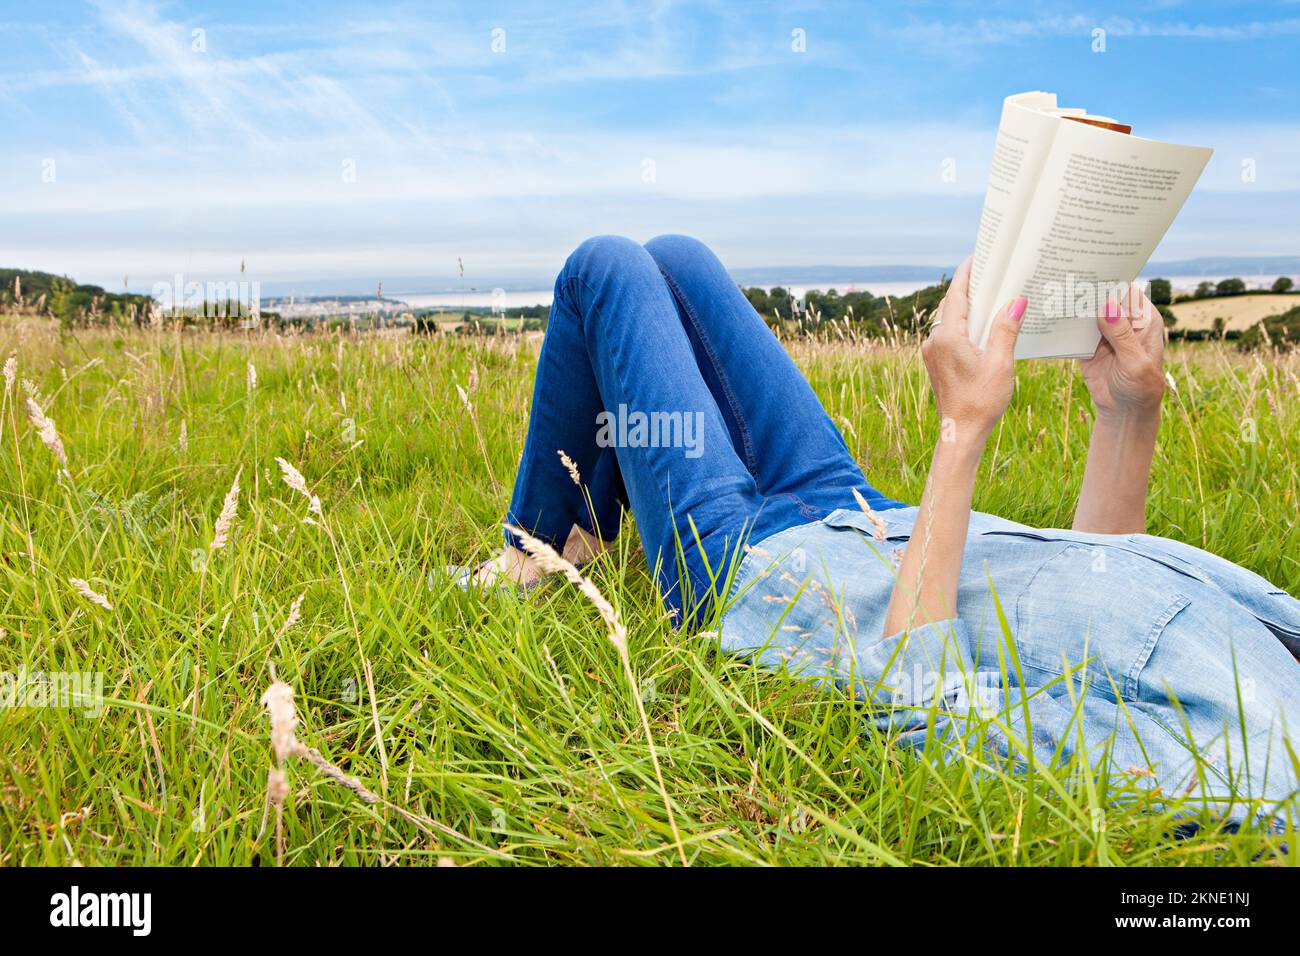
(583,547)
(521,568)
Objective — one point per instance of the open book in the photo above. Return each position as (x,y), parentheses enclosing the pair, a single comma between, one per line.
(1074,208)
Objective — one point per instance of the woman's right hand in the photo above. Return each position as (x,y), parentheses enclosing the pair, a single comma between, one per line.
(972,387)
(1126,375)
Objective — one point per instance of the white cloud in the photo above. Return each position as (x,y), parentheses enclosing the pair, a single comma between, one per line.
(459,165)
(946,35)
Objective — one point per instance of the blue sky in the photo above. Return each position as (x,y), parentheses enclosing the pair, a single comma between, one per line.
(330,140)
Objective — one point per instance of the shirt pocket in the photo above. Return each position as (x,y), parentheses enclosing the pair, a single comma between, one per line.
(1096,617)
(892,524)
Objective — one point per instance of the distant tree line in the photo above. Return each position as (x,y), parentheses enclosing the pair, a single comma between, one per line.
(867,313)
(779,307)
(1162,294)
(73,303)
(483,321)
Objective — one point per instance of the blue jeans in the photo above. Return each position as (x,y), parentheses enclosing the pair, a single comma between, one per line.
(669,393)
(1149,653)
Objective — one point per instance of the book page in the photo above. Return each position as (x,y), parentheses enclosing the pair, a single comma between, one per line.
(1024,137)
(1104,202)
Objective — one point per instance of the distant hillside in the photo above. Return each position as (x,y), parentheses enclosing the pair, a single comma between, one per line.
(61,298)
(824,275)
(864,275)
(1226,266)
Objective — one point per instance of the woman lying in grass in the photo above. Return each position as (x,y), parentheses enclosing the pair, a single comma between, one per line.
(666,392)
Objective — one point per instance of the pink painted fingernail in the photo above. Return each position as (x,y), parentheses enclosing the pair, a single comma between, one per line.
(1017,308)
(1112,312)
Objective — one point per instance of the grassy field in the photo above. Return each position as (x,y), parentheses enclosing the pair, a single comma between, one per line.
(1239,312)
(481,730)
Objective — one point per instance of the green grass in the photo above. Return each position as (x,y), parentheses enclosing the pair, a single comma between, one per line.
(512,723)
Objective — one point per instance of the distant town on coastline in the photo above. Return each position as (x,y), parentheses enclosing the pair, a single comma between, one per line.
(1192,294)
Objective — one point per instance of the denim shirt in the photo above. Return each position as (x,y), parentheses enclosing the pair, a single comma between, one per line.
(812,599)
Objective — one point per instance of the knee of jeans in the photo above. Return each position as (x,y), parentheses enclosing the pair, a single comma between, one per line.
(674,252)
(601,256)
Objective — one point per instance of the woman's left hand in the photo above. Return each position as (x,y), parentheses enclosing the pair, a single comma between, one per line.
(1125,376)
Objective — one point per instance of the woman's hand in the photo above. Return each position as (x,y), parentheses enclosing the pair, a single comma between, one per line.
(1126,374)
(972,387)
(1127,383)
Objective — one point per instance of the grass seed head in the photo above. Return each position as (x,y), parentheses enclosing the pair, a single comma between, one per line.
(878,525)
(91,595)
(570,467)
(278,701)
(277,787)
(295,615)
(294,479)
(227,517)
(550,561)
(45,428)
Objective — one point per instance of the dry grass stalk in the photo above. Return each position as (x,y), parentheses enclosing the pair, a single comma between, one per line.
(10,376)
(926,495)
(229,508)
(876,523)
(570,467)
(91,595)
(220,536)
(295,615)
(551,562)
(294,479)
(478,432)
(278,701)
(45,428)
